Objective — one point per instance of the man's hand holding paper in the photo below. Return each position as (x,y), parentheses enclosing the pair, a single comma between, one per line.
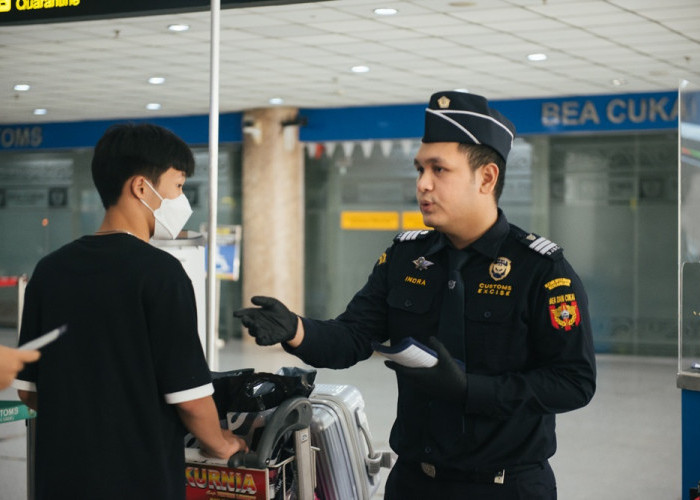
(446,380)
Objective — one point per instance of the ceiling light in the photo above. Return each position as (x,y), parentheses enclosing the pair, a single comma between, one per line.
(156,80)
(22,87)
(385,11)
(179,27)
(276,100)
(153,106)
(40,111)
(618,82)
(537,56)
(360,69)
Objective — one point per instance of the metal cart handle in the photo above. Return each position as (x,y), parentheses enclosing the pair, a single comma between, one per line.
(292,415)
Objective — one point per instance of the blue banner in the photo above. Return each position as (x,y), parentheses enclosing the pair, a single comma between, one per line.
(557,115)
(194,130)
(552,116)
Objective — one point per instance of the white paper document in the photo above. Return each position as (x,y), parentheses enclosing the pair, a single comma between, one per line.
(409,352)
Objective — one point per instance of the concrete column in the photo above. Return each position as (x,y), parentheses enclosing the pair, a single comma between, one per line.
(273,207)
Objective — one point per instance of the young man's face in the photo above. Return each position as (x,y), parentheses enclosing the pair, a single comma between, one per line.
(450,195)
(169,185)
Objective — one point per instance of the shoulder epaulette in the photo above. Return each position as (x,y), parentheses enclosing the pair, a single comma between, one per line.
(542,246)
(412,235)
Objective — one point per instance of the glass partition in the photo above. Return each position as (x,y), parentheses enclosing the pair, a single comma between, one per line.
(689,236)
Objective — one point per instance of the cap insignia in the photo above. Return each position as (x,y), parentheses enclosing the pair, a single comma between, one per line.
(444,102)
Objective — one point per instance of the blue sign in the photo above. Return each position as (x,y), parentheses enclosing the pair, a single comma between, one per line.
(603,113)
(227,262)
(192,129)
(556,115)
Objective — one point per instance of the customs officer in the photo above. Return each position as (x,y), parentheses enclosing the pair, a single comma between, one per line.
(502,308)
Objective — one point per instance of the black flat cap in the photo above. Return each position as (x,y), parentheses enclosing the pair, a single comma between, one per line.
(454,116)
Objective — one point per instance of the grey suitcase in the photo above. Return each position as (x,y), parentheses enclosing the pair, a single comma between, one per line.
(347,467)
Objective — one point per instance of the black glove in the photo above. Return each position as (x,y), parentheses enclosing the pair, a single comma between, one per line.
(446,380)
(270,323)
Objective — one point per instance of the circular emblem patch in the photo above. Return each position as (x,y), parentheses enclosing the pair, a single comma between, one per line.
(499,268)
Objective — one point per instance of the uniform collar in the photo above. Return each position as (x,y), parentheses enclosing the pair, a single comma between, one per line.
(488,245)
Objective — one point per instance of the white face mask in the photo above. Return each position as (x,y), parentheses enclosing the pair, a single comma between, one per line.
(171,216)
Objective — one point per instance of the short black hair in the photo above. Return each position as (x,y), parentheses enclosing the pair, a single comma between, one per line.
(129,149)
(479,155)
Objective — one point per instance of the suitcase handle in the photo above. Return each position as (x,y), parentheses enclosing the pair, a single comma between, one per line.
(292,415)
(373,461)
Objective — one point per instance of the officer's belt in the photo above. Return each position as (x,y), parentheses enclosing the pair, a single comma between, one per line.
(474,476)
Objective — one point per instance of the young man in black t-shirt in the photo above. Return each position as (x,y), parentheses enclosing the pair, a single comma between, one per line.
(114,392)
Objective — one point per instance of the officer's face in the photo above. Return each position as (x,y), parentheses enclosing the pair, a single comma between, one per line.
(450,195)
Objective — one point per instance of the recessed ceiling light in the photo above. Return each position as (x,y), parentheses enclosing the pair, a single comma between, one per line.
(40,111)
(156,80)
(618,82)
(276,100)
(179,27)
(360,69)
(537,56)
(385,11)
(22,87)
(153,106)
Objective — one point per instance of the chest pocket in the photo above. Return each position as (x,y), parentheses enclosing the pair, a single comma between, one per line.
(409,298)
(412,312)
(490,310)
(493,331)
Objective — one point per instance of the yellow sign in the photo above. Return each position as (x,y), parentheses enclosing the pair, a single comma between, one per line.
(412,221)
(372,221)
(6,5)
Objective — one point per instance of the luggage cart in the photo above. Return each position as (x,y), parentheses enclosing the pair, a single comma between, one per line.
(259,474)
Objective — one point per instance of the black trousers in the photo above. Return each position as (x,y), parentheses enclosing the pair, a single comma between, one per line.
(407,482)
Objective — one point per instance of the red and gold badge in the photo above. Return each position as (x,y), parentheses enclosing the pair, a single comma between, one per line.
(564,313)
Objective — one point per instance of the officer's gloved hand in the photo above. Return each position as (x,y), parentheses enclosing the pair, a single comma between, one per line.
(446,380)
(270,323)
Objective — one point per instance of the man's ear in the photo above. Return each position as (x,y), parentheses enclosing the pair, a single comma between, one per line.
(489,177)
(137,186)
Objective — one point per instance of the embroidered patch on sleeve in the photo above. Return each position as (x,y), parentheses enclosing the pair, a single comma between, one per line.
(563,312)
(551,285)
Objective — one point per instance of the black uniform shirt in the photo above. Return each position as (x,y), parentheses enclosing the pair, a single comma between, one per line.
(527,337)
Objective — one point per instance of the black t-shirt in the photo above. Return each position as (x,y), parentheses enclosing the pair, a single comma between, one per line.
(106,426)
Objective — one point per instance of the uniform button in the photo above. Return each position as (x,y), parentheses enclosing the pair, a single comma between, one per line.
(428,449)
(487,314)
(408,303)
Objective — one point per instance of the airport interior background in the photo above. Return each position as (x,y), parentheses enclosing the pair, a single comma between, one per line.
(592,86)
(609,200)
